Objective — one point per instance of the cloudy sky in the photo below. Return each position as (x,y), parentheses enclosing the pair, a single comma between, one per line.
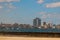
(24,11)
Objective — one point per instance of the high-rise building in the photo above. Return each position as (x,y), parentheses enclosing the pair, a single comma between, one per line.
(36,22)
(44,25)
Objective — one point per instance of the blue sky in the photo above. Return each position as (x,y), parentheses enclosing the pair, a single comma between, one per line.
(24,11)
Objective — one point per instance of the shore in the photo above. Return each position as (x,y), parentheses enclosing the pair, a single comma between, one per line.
(10,36)
(30,34)
(26,38)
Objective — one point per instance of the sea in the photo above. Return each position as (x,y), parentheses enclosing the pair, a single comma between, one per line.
(17,29)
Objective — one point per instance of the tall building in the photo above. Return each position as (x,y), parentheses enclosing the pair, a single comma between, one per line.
(44,25)
(36,22)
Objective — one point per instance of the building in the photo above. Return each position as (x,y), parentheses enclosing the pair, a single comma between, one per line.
(36,22)
(15,25)
(5,25)
(50,25)
(44,25)
(58,26)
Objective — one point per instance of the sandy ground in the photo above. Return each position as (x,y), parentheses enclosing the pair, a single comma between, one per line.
(26,38)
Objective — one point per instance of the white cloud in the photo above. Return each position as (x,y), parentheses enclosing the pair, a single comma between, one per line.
(40,1)
(49,15)
(43,15)
(12,0)
(10,5)
(1,7)
(9,0)
(2,0)
(53,5)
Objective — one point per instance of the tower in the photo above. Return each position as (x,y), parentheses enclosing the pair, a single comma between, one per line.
(36,22)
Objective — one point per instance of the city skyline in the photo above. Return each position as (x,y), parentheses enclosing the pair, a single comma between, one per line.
(24,11)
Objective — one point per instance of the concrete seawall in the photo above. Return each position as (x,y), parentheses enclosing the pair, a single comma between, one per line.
(30,34)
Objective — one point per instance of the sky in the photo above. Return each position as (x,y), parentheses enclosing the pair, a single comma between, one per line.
(24,11)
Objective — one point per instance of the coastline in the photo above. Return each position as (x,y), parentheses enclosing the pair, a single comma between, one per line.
(26,38)
(30,34)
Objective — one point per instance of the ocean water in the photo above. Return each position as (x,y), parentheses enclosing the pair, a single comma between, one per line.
(17,29)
